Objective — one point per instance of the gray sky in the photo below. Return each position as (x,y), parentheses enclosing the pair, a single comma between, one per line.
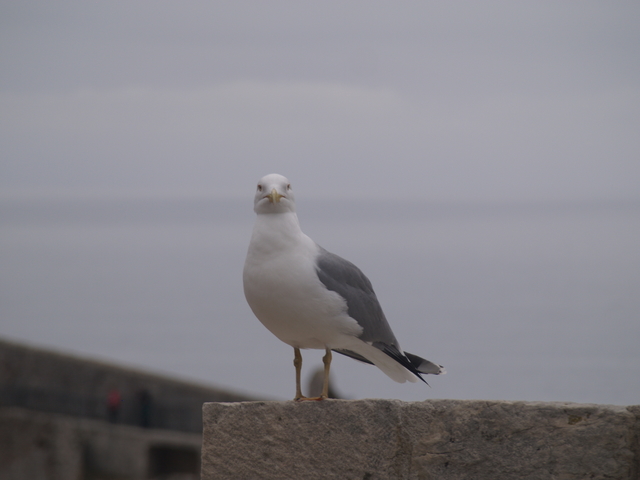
(379,103)
(436,100)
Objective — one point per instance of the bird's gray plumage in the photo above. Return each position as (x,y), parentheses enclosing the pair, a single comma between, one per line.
(348,281)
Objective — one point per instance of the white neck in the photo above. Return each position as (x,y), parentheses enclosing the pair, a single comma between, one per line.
(273,232)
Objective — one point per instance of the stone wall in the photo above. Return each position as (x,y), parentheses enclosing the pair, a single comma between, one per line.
(435,439)
(44,446)
(53,382)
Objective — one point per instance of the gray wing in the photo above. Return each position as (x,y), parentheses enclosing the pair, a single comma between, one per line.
(348,281)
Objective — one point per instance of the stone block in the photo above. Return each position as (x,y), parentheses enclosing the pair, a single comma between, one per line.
(434,439)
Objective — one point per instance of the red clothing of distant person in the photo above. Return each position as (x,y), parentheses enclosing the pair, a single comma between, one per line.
(114,399)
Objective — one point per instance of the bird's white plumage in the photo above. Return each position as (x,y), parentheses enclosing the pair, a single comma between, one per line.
(283,288)
(280,281)
(284,291)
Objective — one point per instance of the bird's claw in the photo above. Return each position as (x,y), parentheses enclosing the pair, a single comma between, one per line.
(304,399)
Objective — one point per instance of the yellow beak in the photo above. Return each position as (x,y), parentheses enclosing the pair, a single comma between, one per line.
(274,196)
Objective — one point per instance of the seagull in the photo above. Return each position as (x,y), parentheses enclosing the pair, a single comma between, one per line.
(313,299)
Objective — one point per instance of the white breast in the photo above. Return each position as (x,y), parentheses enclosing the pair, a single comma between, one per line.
(283,289)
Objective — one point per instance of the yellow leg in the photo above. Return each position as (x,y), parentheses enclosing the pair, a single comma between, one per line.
(327,365)
(297,362)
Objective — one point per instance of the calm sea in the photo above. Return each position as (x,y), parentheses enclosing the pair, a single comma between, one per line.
(517,301)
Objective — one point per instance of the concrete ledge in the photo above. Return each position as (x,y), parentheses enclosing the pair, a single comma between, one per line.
(435,439)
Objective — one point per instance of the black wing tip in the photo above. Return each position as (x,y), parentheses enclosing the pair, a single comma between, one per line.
(401,358)
(425,366)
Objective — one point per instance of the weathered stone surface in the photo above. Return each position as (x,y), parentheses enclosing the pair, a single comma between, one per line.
(436,439)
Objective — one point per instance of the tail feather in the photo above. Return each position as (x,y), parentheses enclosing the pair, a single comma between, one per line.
(399,357)
(413,363)
(375,355)
(425,366)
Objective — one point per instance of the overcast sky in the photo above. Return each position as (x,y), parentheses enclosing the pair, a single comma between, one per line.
(367,101)
(432,100)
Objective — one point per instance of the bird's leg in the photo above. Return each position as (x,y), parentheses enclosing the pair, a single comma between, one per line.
(327,365)
(297,362)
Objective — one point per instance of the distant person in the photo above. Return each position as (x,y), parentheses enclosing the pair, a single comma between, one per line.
(145,408)
(114,400)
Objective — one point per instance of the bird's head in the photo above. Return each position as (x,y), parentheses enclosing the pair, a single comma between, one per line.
(274,195)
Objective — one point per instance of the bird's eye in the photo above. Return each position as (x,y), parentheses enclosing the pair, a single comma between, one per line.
(289,186)
(259,187)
